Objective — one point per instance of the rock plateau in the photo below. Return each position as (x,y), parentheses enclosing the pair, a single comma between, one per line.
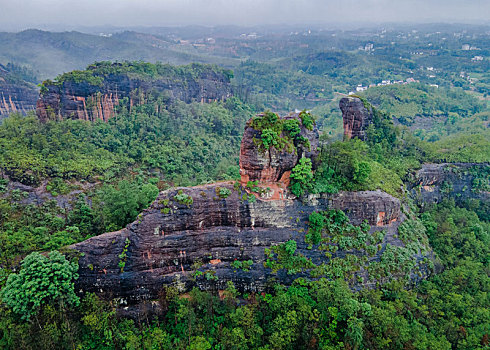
(187,243)
(91,100)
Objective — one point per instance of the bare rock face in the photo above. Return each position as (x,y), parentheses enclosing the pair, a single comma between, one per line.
(170,241)
(82,100)
(272,167)
(15,95)
(196,236)
(70,102)
(460,181)
(356,117)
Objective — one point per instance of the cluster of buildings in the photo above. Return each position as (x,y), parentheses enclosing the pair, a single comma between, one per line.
(369,47)
(468,47)
(360,87)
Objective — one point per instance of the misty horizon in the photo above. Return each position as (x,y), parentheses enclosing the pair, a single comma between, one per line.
(116,15)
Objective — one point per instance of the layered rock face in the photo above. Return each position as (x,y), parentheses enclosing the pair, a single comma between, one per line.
(356,117)
(16,96)
(272,167)
(170,241)
(82,100)
(194,236)
(460,181)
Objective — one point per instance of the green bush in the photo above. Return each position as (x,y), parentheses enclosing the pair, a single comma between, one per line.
(42,280)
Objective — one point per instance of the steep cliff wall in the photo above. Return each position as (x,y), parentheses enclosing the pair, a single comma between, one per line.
(96,95)
(460,181)
(356,117)
(271,167)
(208,235)
(16,95)
(170,241)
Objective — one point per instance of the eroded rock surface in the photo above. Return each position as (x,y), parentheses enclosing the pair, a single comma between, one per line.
(460,181)
(170,240)
(82,100)
(272,167)
(356,117)
(16,95)
(192,236)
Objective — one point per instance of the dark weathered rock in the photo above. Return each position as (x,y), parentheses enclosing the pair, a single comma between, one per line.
(91,102)
(175,237)
(356,117)
(460,181)
(38,194)
(16,95)
(170,240)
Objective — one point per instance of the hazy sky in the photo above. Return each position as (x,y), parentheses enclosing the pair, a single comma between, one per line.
(21,14)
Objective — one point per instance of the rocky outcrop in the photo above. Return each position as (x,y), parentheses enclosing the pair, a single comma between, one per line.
(15,95)
(460,181)
(356,117)
(92,100)
(25,195)
(271,167)
(170,241)
(199,236)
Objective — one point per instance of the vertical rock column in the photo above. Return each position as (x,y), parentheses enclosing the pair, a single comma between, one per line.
(356,118)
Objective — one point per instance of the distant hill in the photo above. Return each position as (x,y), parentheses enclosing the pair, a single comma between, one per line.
(50,54)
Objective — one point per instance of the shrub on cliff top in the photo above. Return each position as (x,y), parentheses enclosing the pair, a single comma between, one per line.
(282,134)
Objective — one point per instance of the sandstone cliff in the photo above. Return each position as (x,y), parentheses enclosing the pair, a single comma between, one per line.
(15,95)
(208,235)
(459,181)
(95,93)
(356,117)
(271,167)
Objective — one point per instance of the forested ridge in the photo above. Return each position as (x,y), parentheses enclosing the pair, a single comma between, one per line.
(105,173)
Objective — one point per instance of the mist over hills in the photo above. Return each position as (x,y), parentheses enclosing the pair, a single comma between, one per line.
(48,53)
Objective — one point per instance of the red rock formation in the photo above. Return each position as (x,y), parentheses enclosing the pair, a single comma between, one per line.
(356,117)
(272,167)
(170,238)
(15,95)
(166,243)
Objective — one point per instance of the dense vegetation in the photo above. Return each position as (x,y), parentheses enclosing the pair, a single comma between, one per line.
(140,139)
(108,171)
(99,176)
(448,311)
(95,73)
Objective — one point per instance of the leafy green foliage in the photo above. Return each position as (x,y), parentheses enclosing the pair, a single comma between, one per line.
(301,177)
(41,280)
(283,257)
(242,264)
(408,101)
(183,198)
(223,192)
(281,134)
(179,144)
(120,204)
(185,143)
(347,166)
(124,255)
